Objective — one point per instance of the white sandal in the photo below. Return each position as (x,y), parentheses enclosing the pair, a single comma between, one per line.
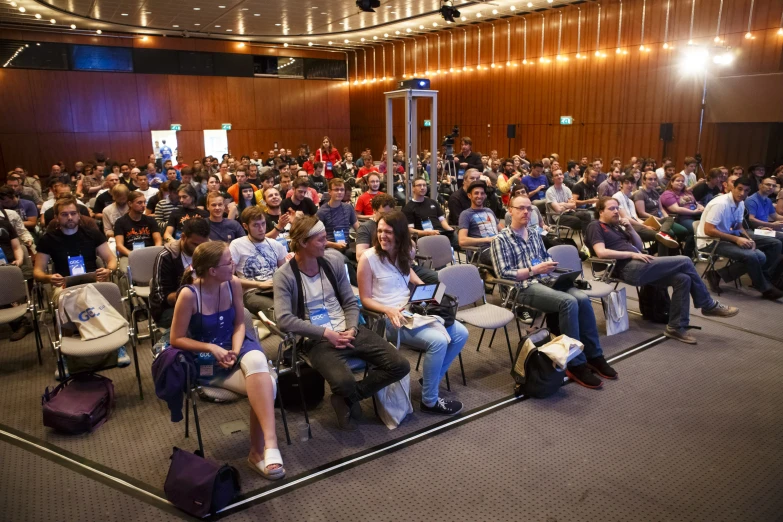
(271,457)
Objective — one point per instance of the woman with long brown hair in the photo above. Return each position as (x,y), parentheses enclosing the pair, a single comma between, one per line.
(383,276)
(209,320)
(329,156)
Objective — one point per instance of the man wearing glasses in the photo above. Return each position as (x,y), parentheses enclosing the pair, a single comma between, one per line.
(520,256)
(425,216)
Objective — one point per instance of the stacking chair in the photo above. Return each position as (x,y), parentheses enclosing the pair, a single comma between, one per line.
(435,251)
(140,267)
(568,257)
(15,291)
(709,252)
(553,220)
(215,394)
(465,283)
(76,347)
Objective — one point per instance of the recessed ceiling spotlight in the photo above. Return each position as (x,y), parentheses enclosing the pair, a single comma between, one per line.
(385,35)
(174,26)
(513,8)
(245,9)
(362,39)
(143,38)
(434,24)
(530,4)
(278,25)
(52,21)
(396,32)
(408,30)
(309,44)
(285,44)
(256,14)
(13,4)
(222,6)
(421,27)
(73,26)
(346,40)
(99,31)
(22,9)
(123,14)
(229,30)
(330,42)
(478,15)
(494,11)
(38,16)
(393,12)
(374,37)
(217,26)
(197,9)
(196,24)
(463,18)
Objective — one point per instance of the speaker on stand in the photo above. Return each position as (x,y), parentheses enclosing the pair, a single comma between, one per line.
(511,133)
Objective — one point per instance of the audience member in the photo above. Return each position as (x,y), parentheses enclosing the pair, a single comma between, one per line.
(563,202)
(299,200)
(116,210)
(314,299)
(185,211)
(761,210)
(467,159)
(209,319)
(681,204)
(241,178)
(425,216)
(338,217)
(611,185)
(278,223)
(220,228)
(722,220)
(520,256)
(363,203)
(17,184)
(105,196)
(134,230)
(689,171)
(706,189)
(170,266)
(384,275)
(586,190)
(612,237)
(24,207)
(329,156)
(536,185)
(478,225)
(627,211)
(459,200)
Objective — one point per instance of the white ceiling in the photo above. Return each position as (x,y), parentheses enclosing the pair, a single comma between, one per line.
(296,22)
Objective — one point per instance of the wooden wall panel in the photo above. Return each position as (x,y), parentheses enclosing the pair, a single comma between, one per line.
(51,100)
(213,95)
(267,103)
(292,104)
(122,106)
(90,143)
(153,99)
(184,96)
(241,103)
(16,102)
(316,104)
(190,144)
(54,147)
(21,149)
(125,145)
(88,105)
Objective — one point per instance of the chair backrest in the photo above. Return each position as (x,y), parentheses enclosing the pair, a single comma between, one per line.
(438,248)
(13,285)
(250,329)
(696,227)
(463,282)
(142,263)
(567,256)
(109,290)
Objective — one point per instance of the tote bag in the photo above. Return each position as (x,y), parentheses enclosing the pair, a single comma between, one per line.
(91,313)
(616,312)
(394,401)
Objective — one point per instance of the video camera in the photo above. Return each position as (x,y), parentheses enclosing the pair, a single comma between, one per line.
(448,142)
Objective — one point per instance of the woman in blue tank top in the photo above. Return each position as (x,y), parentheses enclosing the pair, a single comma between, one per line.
(209,320)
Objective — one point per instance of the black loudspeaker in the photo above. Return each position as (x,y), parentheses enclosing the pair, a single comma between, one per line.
(511,131)
(667,131)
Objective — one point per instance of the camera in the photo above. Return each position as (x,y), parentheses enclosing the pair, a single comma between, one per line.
(448,142)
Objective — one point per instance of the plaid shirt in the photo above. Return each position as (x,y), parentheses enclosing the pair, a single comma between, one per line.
(510,253)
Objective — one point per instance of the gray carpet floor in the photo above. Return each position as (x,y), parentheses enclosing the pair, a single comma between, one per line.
(687,433)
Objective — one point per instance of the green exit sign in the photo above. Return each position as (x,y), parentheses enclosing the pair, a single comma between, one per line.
(226,126)
(428,123)
(176,126)
(566,120)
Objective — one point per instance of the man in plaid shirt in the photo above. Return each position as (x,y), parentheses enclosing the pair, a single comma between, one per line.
(519,255)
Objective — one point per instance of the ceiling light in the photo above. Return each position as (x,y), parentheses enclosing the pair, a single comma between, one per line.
(367,6)
(421,27)
(285,44)
(22,9)
(38,16)
(494,11)
(396,32)
(52,21)
(408,30)
(241,44)
(748,36)
(143,38)
(222,6)
(13,4)
(330,42)
(229,30)
(197,9)
(478,15)
(196,24)
(463,18)
(434,24)
(549,1)
(123,14)
(346,40)
(245,9)
(362,39)
(278,25)
(217,26)
(73,26)
(174,26)
(374,37)
(694,60)
(513,8)
(99,31)
(530,4)
(256,14)
(309,44)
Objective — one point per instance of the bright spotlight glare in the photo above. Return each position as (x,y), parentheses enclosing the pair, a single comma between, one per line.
(724,58)
(694,60)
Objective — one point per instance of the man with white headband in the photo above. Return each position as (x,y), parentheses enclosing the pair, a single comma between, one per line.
(314,299)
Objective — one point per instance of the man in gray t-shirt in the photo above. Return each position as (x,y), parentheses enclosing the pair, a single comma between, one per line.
(478,225)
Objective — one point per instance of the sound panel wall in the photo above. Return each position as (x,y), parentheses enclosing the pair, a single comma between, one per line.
(49,116)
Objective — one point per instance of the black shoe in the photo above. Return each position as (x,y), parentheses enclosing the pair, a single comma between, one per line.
(581,374)
(602,368)
(773,294)
(713,281)
(343,411)
(22,332)
(443,407)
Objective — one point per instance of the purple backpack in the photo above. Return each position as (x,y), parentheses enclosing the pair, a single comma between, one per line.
(199,486)
(79,405)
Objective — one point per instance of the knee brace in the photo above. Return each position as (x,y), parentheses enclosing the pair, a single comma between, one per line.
(254,362)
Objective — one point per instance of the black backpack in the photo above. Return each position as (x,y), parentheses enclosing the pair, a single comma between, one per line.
(533,371)
(654,303)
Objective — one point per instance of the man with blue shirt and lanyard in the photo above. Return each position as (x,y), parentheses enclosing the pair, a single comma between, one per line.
(520,256)
(478,225)
(257,258)
(536,185)
(761,210)
(338,217)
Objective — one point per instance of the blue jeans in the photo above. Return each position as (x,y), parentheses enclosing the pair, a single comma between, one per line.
(759,261)
(577,319)
(677,272)
(438,354)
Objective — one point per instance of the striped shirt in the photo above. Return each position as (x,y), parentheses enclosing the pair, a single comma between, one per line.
(510,253)
(162,212)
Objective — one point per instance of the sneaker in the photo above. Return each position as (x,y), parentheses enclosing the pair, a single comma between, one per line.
(679,334)
(22,332)
(602,368)
(443,407)
(123,359)
(773,294)
(524,315)
(343,411)
(581,374)
(713,281)
(667,240)
(720,310)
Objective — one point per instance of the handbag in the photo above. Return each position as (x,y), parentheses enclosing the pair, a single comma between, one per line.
(79,405)
(447,309)
(200,486)
(394,401)
(616,312)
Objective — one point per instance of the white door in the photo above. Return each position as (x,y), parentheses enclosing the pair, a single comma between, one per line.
(215,143)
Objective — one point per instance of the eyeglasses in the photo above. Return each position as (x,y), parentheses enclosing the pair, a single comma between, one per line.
(522,208)
(230,263)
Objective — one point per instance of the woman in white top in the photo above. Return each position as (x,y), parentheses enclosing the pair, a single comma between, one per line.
(383,277)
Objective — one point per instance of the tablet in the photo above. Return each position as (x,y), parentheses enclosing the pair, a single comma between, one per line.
(81,279)
(427,293)
(562,278)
